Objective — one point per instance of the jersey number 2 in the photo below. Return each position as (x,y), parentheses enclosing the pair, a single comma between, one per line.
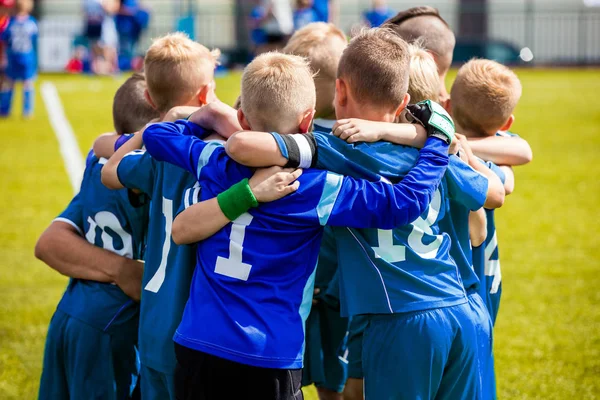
(392,253)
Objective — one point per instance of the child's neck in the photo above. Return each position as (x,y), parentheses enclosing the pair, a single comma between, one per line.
(470,133)
(22,14)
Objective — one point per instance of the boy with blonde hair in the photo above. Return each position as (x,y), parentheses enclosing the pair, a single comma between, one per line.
(423,79)
(484,96)
(179,72)
(323,44)
(256,308)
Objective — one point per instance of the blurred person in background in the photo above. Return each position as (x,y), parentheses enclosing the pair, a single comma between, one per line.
(101,33)
(5,12)
(20,37)
(131,20)
(377,14)
(276,22)
(304,14)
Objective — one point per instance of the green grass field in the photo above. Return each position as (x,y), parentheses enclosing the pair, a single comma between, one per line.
(547,338)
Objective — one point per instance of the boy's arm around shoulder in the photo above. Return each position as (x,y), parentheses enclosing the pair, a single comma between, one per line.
(110,176)
(502,150)
(364,204)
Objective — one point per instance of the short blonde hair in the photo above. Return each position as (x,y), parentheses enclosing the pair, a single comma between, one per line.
(276,90)
(375,65)
(484,95)
(322,44)
(423,81)
(176,68)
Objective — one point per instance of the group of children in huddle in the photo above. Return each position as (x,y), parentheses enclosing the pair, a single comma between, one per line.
(300,237)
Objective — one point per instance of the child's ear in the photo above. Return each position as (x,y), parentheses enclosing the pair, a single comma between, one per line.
(243,121)
(149,99)
(306,121)
(207,94)
(508,123)
(447,105)
(402,105)
(341,92)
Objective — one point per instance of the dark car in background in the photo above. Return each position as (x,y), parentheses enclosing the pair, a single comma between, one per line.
(497,50)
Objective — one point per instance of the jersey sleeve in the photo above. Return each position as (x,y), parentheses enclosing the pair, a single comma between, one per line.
(137,170)
(362,204)
(497,170)
(73,214)
(465,185)
(176,143)
(191,196)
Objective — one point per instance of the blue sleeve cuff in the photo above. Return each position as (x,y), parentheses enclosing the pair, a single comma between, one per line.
(281,144)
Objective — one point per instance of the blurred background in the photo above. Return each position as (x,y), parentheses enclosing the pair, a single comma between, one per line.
(531,32)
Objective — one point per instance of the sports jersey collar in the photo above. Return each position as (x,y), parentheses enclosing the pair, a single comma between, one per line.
(324,124)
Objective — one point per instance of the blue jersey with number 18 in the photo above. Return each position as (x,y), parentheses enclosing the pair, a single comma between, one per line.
(168,267)
(408,268)
(108,220)
(252,287)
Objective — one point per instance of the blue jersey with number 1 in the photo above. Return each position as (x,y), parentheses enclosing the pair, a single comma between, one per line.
(252,287)
(408,268)
(168,267)
(108,220)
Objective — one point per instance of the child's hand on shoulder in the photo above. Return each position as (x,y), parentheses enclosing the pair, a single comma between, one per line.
(355,130)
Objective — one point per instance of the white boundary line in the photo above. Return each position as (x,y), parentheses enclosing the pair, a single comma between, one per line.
(69,148)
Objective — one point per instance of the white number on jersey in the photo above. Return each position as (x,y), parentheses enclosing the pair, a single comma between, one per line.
(109,225)
(392,253)
(159,277)
(233,266)
(492,267)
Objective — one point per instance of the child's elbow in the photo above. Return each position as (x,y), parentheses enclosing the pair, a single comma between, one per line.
(478,236)
(179,234)
(108,176)
(235,147)
(495,199)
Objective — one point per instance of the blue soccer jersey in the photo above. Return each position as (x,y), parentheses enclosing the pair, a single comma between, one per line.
(108,220)
(252,287)
(168,267)
(377,16)
(21,36)
(408,268)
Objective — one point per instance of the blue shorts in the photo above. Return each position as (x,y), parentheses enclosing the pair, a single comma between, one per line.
(356,330)
(20,71)
(156,385)
(485,344)
(82,362)
(422,355)
(325,332)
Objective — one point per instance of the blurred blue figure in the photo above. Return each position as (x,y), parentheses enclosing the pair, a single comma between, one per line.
(20,37)
(130,21)
(321,8)
(304,13)
(257,33)
(378,13)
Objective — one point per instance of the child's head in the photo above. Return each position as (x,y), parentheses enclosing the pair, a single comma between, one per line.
(424,81)
(373,76)
(322,44)
(483,97)
(278,94)
(179,72)
(131,111)
(426,25)
(24,6)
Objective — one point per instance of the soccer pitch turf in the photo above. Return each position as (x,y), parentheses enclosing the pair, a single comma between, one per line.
(547,339)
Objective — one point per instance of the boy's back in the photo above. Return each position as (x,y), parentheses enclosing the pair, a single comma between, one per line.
(92,316)
(168,267)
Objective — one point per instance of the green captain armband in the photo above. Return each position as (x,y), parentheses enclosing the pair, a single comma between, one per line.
(237,200)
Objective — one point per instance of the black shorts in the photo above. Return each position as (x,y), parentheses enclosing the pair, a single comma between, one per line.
(93,31)
(201,376)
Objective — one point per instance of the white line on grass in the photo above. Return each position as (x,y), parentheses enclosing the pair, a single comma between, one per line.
(69,149)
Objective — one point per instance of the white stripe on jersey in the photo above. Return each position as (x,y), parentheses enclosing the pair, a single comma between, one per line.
(304,149)
(68,221)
